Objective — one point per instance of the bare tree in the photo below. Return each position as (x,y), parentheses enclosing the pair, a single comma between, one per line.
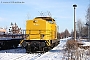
(88,14)
(84,31)
(79,27)
(66,33)
(88,21)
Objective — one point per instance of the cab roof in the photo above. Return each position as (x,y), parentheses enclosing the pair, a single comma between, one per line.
(45,18)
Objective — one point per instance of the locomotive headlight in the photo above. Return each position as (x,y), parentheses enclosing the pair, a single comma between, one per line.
(35,21)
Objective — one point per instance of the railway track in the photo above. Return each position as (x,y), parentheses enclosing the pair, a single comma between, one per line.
(28,57)
(18,54)
(16,50)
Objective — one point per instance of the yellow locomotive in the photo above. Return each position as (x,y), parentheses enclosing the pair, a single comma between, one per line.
(42,34)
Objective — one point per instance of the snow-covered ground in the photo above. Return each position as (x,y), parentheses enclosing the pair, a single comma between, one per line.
(17,54)
(57,53)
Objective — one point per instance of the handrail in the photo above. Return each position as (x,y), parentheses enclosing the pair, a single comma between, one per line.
(13,35)
(40,32)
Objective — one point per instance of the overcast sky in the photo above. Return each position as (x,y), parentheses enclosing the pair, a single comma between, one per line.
(61,10)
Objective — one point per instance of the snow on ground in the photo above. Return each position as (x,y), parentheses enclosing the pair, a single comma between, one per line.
(18,50)
(19,54)
(86,43)
(57,53)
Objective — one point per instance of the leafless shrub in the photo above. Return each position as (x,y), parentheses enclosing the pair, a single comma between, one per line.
(71,44)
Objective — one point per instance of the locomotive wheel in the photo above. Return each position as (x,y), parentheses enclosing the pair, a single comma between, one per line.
(49,48)
(45,49)
(28,49)
(24,44)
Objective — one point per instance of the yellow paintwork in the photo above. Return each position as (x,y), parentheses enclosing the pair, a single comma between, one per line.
(40,29)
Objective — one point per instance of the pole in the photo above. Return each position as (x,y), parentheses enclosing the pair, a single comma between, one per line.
(74,23)
(74,26)
(88,33)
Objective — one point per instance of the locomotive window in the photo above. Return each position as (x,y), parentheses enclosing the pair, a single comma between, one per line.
(50,21)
